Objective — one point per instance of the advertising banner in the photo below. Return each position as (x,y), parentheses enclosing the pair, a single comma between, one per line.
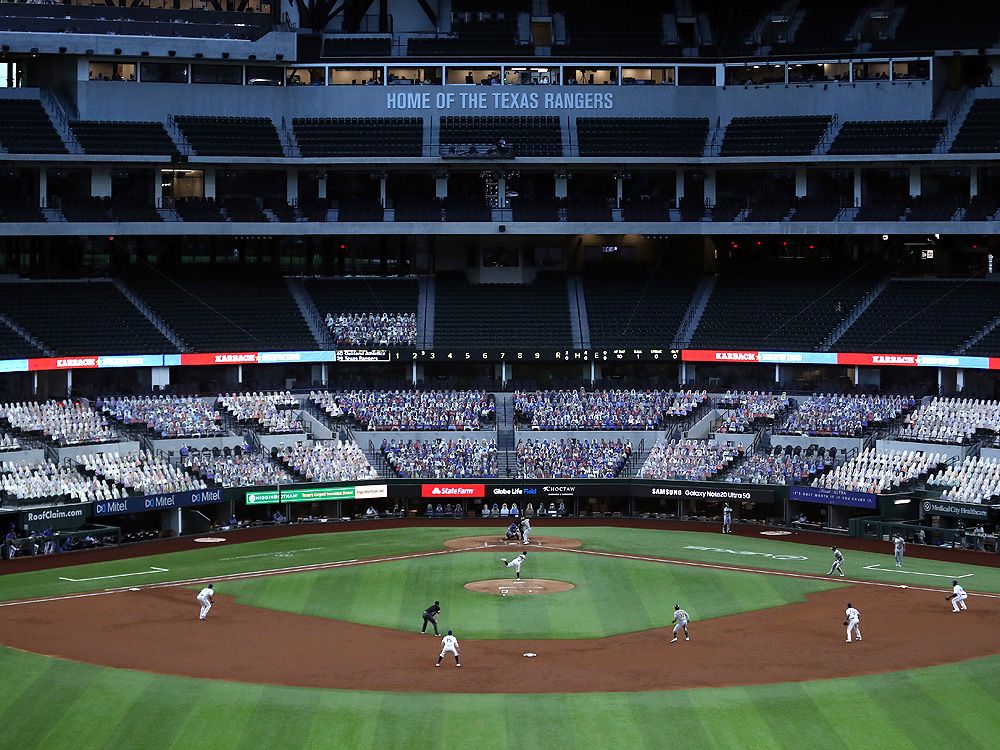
(164,501)
(59,518)
(713,491)
(826,496)
(317,494)
(954,510)
(451,491)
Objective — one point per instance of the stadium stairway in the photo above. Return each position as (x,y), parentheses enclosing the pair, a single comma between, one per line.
(23,333)
(851,319)
(426,290)
(578,312)
(982,333)
(689,324)
(156,320)
(307,307)
(506,440)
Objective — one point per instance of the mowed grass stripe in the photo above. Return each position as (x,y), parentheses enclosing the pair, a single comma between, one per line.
(612,596)
(223,715)
(149,721)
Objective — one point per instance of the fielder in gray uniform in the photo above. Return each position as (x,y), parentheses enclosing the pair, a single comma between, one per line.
(838,561)
(898,547)
(681,623)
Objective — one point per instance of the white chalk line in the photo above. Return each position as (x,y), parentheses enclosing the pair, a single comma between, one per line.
(434,553)
(152,569)
(763,571)
(236,576)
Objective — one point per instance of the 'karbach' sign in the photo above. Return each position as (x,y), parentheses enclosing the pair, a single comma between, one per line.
(500,100)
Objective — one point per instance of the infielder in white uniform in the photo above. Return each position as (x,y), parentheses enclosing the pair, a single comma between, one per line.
(205,599)
(898,545)
(449,645)
(681,623)
(851,619)
(958,596)
(515,564)
(525,530)
(838,560)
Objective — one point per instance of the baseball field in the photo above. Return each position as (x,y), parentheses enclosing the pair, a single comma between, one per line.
(314,641)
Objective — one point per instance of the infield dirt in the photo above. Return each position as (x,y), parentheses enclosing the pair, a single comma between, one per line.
(157,630)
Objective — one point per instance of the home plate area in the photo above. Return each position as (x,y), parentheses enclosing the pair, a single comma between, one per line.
(509,587)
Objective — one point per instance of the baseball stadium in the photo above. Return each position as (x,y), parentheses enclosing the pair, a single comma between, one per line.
(494,374)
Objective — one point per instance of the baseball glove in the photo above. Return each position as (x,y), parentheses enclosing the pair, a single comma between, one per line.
(845,622)
(503,560)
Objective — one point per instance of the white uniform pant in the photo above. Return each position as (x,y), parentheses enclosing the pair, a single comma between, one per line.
(852,625)
(681,625)
(448,650)
(516,565)
(205,606)
(524,536)
(959,599)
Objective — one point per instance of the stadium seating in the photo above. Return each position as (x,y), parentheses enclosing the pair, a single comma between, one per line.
(801,313)
(923,316)
(417,410)
(923,26)
(980,132)
(271,413)
(952,421)
(363,295)
(879,472)
(774,136)
(13,346)
(497,315)
(139,472)
(62,423)
(975,480)
(234,468)
(478,29)
(81,318)
(844,416)
(230,136)
(142,138)
(696,460)
(642,136)
(359,136)
(815,209)
(226,314)
(744,412)
(593,29)
(42,482)
(988,345)
(527,136)
(825,27)
(25,128)
(165,416)
(603,410)
(373,329)
(642,309)
(982,207)
(776,468)
(356,46)
(888,137)
(441,459)
(198,209)
(325,461)
(572,458)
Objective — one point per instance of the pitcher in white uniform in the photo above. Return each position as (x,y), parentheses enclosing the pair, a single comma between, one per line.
(205,599)
(852,619)
(449,645)
(958,597)
(515,564)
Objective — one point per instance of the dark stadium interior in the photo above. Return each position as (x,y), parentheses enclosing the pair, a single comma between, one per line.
(751,241)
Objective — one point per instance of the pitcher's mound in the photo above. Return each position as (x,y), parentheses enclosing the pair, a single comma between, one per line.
(495,541)
(513,587)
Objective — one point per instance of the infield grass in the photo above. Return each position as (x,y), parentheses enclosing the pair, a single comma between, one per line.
(50,703)
(612,596)
(370,542)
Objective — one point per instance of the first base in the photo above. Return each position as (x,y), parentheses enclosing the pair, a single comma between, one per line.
(530,654)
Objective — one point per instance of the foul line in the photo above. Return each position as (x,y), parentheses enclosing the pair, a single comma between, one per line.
(152,569)
(435,553)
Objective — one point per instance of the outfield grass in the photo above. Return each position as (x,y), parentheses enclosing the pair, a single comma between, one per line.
(49,703)
(611,596)
(320,548)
